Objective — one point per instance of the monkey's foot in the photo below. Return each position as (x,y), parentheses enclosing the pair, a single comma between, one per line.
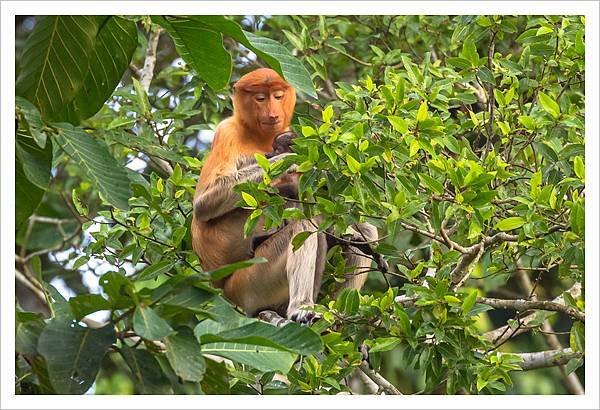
(303,315)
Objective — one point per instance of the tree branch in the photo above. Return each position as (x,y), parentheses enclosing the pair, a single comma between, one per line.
(146,74)
(572,382)
(381,381)
(522,305)
(503,333)
(548,358)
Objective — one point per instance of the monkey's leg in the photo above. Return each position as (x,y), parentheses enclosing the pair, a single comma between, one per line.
(356,258)
(287,276)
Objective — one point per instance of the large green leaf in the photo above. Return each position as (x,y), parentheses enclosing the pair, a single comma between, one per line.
(55,60)
(263,358)
(32,174)
(115,43)
(149,377)
(274,54)
(183,352)
(149,325)
(202,49)
(252,342)
(73,353)
(28,327)
(292,337)
(99,165)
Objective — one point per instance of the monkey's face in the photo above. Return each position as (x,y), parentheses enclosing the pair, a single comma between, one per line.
(270,108)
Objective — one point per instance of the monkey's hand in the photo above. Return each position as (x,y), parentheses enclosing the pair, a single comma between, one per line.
(282,144)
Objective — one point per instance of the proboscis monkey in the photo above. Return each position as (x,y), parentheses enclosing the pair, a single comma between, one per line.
(263,105)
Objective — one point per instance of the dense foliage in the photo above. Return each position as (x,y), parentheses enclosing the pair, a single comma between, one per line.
(460,138)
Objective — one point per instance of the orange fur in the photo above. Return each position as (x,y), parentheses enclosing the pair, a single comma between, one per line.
(252,129)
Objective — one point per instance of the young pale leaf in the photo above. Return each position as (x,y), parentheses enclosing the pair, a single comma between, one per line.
(579,167)
(249,200)
(510,223)
(469,302)
(399,124)
(353,165)
(548,104)
(327,114)
(422,112)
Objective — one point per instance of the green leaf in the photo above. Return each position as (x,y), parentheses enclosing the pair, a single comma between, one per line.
(348,301)
(274,54)
(156,269)
(184,355)
(142,97)
(577,337)
(28,327)
(548,104)
(469,302)
(579,168)
(82,305)
(299,239)
(431,183)
(109,59)
(148,374)
(399,124)
(422,112)
(292,337)
(201,48)
(32,175)
(510,223)
(384,344)
(227,270)
(149,325)
(55,60)
(92,155)
(327,114)
(459,62)
(249,200)
(74,353)
(577,219)
(33,120)
(469,52)
(353,165)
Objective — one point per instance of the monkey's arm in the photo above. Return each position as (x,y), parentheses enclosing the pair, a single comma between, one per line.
(218,198)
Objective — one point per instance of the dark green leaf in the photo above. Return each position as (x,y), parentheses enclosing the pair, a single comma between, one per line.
(55,60)
(201,48)
(82,305)
(148,374)
(274,54)
(74,353)
(156,269)
(183,352)
(227,270)
(92,155)
(109,59)
(149,325)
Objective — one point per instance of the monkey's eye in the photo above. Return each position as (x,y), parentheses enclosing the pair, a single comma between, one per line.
(260,97)
(278,96)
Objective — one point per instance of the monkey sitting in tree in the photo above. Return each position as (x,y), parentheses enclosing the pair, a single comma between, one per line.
(263,106)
